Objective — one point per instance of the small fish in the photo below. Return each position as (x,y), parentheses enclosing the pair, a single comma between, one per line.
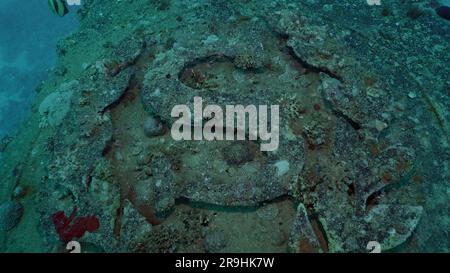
(58,7)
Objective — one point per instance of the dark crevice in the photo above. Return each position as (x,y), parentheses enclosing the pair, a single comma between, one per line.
(373,200)
(108,147)
(139,67)
(118,221)
(228,208)
(88,179)
(354,124)
(133,83)
(312,68)
(319,231)
(351,189)
(284,38)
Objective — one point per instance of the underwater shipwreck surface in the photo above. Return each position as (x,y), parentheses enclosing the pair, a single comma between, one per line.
(363,152)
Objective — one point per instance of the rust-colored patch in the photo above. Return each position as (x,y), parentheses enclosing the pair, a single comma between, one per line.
(417,178)
(369,81)
(144,209)
(376,148)
(296,127)
(373,148)
(305,246)
(126,117)
(320,236)
(401,165)
(386,177)
(244,18)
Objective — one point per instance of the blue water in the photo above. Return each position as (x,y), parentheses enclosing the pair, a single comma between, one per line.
(28,36)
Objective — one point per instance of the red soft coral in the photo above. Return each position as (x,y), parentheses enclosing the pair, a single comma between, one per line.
(73,227)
